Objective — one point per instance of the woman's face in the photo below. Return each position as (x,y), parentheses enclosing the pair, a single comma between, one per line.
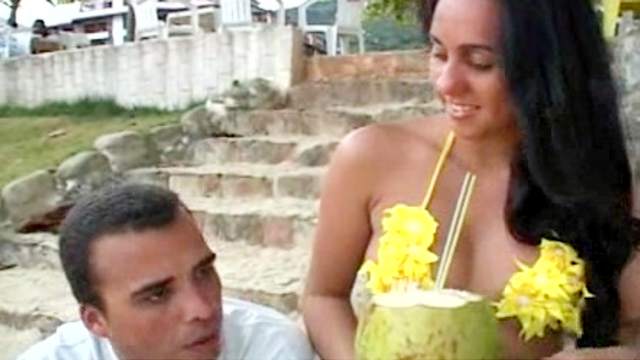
(465,67)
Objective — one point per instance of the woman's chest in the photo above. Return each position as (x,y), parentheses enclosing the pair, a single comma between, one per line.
(486,254)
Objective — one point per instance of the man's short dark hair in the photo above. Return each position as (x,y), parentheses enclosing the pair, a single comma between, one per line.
(119,209)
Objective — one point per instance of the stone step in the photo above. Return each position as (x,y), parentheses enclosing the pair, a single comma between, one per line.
(329,122)
(300,150)
(282,223)
(246,181)
(34,301)
(14,342)
(269,276)
(336,121)
(357,92)
(28,250)
(35,298)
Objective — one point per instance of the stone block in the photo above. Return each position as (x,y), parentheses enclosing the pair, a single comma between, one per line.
(304,186)
(225,150)
(322,95)
(254,229)
(197,123)
(277,232)
(238,186)
(172,143)
(316,155)
(150,176)
(127,150)
(31,197)
(83,173)
(193,185)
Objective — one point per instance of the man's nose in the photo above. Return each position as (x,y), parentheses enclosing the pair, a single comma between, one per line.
(200,304)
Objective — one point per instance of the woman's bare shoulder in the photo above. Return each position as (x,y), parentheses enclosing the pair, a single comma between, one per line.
(382,142)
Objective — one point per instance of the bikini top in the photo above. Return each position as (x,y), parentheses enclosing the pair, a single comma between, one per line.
(549,294)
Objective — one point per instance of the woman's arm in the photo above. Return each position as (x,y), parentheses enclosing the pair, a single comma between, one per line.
(341,240)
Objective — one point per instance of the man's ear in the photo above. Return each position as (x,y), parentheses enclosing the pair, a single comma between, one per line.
(94,320)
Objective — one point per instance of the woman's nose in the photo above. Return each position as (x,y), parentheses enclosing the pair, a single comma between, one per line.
(450,79)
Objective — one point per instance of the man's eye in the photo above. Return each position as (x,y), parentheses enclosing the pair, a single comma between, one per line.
(157,295)
(205,272)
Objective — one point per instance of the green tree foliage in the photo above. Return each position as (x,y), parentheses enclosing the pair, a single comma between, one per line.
(384,29)
(401,10)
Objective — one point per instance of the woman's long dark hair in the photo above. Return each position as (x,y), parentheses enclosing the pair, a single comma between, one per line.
(571,179)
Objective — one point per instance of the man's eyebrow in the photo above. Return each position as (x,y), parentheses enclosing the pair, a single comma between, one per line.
(206,260)
(154,285)
(466,47)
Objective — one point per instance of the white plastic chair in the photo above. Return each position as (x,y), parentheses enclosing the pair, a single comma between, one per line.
(185,22)
(147,24)
(235,12)
(348,23)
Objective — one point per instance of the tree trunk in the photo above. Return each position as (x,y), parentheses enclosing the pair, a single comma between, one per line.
(12,15)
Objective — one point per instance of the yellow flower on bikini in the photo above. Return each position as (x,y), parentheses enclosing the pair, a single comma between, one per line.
(404,259)
(549,294)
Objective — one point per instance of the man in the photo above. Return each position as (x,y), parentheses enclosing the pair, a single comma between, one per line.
(148,289)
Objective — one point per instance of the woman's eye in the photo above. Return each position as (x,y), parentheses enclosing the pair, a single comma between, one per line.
(482,66)
(481,62)
(438,53)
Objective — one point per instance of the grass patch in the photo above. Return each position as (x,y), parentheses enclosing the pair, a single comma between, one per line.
(39,138)
(86,108)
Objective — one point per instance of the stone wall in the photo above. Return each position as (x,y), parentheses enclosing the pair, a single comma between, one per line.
(410,63)
(167,74)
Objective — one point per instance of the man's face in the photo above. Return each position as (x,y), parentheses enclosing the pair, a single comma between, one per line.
(160,291)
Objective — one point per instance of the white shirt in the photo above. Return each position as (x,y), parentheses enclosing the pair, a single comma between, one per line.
(250,331)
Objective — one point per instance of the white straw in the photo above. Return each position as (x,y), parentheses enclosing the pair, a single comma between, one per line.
(454,230)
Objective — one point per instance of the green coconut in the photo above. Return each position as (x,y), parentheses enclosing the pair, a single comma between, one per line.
(436,324)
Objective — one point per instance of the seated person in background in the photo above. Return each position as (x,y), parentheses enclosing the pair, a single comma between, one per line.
(42,39)
(148,289)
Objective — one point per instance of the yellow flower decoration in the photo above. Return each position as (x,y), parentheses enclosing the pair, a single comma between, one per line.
(549,294)
(404,259)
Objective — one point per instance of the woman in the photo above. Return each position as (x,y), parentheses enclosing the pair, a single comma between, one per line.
(527,91)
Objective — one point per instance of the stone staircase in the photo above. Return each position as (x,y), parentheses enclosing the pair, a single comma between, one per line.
(253,191)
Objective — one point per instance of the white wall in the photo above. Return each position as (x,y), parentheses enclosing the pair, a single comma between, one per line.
(162,73)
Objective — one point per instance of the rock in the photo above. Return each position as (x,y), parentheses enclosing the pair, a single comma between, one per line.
(251,95)
(57,133)
(31,197)
(198,123)
(628,58)
(631,114)
(83,173)
(127,150)
(171,142)
(4,216)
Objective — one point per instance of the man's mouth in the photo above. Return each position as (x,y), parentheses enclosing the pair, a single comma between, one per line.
(207,341)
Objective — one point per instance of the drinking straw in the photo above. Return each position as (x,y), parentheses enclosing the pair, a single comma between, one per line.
(454,230)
